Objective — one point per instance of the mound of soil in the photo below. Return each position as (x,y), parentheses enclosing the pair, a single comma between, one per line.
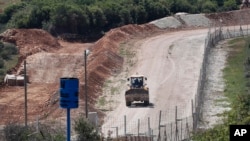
(238,17)
(30,41)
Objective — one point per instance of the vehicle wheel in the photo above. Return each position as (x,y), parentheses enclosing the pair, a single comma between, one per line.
(146,103)
(128,103)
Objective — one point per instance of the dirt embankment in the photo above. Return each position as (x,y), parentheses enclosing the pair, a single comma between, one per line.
(104,60)
(48,59)
(30,41)
(238,17)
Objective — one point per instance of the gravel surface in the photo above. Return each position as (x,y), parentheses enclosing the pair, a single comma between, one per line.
(167,22)
(198,20)
(214,99)
(183,20)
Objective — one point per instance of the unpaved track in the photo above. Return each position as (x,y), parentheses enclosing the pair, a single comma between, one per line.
(172,63)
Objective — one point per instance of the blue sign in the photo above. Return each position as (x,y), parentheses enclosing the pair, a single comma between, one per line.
(69,91)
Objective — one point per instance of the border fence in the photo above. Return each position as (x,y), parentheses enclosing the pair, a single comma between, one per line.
(179,128)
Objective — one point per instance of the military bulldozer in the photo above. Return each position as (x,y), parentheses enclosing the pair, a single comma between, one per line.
(137,90)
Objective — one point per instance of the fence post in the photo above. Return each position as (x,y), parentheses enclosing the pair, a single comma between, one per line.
(149,130)
(181,129)
(171,132)
(125,124)
(187,128)
(138,128)
(116,132)
(152,137)
(165,133)
(159,127)
(192,105)
(176,124)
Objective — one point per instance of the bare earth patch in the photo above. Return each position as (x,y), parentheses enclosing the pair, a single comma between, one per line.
(214,99)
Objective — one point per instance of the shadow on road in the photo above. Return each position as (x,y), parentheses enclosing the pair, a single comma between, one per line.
(141,105)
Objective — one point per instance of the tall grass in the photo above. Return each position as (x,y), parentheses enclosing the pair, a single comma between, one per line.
(236,89)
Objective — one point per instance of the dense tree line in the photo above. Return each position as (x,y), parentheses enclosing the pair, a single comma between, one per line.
(94,17)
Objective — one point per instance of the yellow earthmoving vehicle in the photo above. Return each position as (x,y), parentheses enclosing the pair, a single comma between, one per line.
(137,90)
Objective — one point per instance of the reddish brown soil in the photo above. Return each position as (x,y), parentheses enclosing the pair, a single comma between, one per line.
(230,18)
(43,97)
(103,61)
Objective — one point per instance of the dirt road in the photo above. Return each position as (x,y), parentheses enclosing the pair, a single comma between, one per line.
(172,63)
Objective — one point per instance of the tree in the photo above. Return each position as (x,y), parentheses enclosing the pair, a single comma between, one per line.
(10,11)
(111,10)
(125,16)
(1,46)
(220,3)
(209,7)
(155,10)
(69,19)
(230,5)
(1,63)
(180,6)
(97,18)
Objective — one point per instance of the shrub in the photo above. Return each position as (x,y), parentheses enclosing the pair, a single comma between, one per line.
(86,130)
(1,63)
(11,48)
(17,132)
(5,55)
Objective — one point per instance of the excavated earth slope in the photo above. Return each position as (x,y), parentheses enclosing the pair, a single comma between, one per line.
(49,59)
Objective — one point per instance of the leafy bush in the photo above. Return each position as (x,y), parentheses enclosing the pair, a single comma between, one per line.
(1,46)
(11,48)
(7,49)
(85,130)
(17,132)
(1,72)
(1,63)
(10,11)
(8,58)
(5,55)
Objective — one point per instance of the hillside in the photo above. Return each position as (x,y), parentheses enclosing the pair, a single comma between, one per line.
(49,59)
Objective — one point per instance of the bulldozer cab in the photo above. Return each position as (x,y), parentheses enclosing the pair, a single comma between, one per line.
(137,81)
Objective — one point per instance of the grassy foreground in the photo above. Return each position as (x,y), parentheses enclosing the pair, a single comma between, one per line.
(236,76)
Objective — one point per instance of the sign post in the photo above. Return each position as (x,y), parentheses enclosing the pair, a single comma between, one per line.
(69,91)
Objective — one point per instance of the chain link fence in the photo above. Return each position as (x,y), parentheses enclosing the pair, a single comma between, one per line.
(181,128)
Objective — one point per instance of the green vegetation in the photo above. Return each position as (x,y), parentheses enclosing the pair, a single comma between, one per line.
(85,130)
(17,132)
(5,3)
(8,58)
(102,101)
(92,18)
(237,90)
